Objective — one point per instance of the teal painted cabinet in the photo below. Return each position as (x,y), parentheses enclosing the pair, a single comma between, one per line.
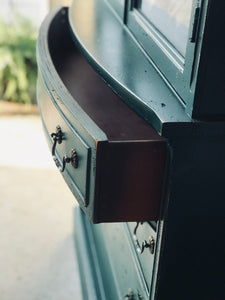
(134,118)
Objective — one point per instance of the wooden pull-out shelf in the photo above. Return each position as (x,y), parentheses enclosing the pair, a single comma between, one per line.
(122,159)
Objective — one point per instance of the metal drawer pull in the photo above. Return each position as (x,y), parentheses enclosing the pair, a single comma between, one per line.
(73,159)
(150,244)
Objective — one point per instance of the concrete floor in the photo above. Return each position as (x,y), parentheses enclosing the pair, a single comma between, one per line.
(37,254)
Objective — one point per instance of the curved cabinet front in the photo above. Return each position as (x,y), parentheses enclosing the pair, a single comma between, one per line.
(68,143)
(114,162)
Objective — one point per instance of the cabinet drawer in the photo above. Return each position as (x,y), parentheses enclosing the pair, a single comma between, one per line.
(70,145)
(143,236)
(121,159)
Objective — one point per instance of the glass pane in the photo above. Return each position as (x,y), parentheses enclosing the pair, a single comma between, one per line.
(171,18)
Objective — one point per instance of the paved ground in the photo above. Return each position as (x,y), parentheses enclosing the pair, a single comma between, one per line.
(37,254)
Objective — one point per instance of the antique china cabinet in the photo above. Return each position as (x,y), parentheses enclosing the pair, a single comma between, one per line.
(132,99)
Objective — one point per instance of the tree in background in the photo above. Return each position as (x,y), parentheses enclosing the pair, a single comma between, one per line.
(18,68)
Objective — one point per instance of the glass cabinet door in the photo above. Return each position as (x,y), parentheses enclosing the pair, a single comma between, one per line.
(171,18)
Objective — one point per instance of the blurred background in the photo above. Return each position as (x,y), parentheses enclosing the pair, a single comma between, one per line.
(37,254)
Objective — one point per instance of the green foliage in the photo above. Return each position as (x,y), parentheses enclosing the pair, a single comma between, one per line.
(17,61)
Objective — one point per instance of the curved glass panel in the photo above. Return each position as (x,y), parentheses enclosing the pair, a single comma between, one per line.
(171,18)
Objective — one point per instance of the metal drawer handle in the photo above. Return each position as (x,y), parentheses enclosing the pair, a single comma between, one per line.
(140,248)
(73,159)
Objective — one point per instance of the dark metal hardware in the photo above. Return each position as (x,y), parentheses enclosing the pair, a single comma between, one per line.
(73,159)
(57,138)
(130,295)
(140,248)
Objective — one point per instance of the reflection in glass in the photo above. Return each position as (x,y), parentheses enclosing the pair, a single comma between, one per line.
(171,18)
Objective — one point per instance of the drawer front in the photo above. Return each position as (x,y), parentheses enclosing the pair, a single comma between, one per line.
(122,160)
(144,240)
(77,174)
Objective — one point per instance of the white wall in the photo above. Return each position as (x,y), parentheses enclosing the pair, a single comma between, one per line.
(35,10)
